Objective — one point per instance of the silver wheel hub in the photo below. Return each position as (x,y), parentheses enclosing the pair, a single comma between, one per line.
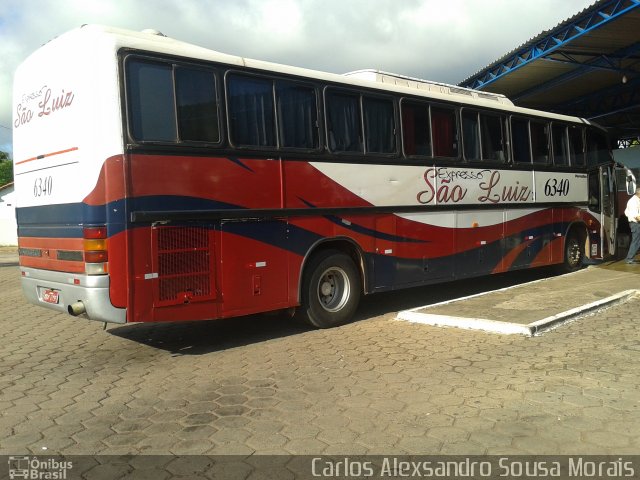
(334,289)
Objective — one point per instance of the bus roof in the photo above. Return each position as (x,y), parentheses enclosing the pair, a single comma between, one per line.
(154,41)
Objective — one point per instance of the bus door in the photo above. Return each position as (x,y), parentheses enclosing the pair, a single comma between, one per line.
(606,202)
(609,220)
(626,188)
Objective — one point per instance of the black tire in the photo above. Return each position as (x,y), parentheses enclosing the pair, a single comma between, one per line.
(573,254)
(331,289)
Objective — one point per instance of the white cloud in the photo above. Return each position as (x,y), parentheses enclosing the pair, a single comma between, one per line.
(439,40)
(280,18)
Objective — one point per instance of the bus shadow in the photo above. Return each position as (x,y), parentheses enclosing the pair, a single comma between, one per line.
(208,336)
(431,294)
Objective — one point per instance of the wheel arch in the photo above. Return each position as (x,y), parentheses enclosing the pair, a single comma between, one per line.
(579,228)
(341,244)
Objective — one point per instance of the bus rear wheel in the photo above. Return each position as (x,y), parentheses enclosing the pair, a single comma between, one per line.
(331,288)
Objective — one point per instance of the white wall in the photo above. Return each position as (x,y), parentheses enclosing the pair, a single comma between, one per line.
(8,227)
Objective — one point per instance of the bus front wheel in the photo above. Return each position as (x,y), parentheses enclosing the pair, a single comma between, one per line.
(331,288)
(573,253)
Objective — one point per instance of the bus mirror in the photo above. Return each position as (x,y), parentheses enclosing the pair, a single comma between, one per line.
(631,185)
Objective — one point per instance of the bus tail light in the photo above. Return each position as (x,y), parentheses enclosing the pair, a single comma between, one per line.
(96,255)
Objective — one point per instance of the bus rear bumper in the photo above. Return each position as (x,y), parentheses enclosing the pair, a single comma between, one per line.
(59,290)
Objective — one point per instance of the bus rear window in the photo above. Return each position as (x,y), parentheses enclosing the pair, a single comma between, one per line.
(170,103)
(197,105)
(151,101)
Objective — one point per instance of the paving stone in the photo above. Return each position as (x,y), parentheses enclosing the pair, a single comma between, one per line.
(304,446)
(196,431)
(199,419)
(373,386)
(606,439)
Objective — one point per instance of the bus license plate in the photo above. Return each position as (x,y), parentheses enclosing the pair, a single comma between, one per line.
(50,296)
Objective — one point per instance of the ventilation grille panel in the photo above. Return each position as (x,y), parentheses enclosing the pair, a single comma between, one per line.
(184,265)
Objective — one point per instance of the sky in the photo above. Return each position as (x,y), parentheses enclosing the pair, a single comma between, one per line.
(441,40)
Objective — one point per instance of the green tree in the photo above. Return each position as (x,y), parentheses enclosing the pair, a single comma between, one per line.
(6,168)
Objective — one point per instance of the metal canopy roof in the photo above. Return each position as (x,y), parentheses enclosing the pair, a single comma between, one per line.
(588,66)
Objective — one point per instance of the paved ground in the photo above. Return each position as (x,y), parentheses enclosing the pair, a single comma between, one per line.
(266,385)
(533,307)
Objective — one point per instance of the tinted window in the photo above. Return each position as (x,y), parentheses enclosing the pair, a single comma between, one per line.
(297,115)
(539,141)
(597,148)
(444,129)
(492,134)
(343,122)
(471,135)
(520,140)
(560,145)
(594,192)
(576,146)
(416,133)
(251,111)
(379,125)
(197,105)
(151,101)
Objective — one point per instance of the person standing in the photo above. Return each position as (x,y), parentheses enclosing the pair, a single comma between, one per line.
(632,212)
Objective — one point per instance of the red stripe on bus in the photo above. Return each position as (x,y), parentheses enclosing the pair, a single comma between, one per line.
(51,243)
(40,157)
(54,264)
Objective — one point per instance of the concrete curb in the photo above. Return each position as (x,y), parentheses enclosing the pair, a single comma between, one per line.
(507,328)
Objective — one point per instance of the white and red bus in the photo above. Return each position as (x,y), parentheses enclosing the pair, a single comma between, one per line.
(161,181)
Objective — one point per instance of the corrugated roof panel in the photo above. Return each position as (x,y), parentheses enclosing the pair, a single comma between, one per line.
(576,69)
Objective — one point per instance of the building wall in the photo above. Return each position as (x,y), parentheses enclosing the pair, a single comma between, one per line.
(8,226)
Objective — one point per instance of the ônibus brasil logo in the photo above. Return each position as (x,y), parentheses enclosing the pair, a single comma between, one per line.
(34,468)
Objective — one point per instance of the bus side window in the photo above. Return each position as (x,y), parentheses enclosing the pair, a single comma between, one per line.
(492,131)
(344,123)
(560,145)
(416,134)
(151,101)
(576,146)
(251,111)
(444,132)
(470,135)
(297,115)
(539,142)
(197,105)
(520,140)
(379,125)
(597,148)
